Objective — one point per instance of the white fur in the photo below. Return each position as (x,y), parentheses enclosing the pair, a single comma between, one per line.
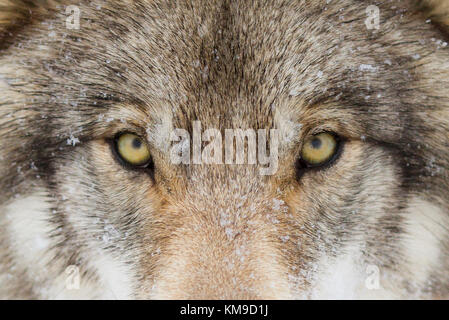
(341,278)
(346,277)
(424,224)
(28,233)
(114,277)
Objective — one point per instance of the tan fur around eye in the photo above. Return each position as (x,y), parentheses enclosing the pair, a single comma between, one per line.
(437,10)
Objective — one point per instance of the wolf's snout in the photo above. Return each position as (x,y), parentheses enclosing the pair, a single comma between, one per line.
(222,253)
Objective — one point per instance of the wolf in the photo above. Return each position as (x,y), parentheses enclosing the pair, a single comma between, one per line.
(92,207)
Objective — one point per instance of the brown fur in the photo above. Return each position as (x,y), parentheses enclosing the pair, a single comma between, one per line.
(219,231)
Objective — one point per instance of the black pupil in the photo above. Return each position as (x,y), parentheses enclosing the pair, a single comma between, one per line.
(316,143)
(137,143)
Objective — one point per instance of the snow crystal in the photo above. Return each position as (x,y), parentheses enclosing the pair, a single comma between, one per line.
(294,92)
(229,233)
(432,167)
(367,67)
(277,204)
(440,43)
(339,96)
(105,238)
(224,219)
(41,243)
(72,140)
(33,166)
(205,72)
(156,252)
(274,220)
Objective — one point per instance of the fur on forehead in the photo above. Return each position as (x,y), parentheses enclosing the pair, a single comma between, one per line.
(15,12)
(228,55)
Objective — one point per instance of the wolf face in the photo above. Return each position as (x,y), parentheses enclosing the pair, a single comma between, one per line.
(79,220)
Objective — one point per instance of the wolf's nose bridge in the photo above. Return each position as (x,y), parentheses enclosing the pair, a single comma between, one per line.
(225,247)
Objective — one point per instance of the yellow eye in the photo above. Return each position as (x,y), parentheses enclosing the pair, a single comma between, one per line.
(133,149)
(319,149)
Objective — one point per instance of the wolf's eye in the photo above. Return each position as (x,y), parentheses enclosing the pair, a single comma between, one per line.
(319,149)
(132,149)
